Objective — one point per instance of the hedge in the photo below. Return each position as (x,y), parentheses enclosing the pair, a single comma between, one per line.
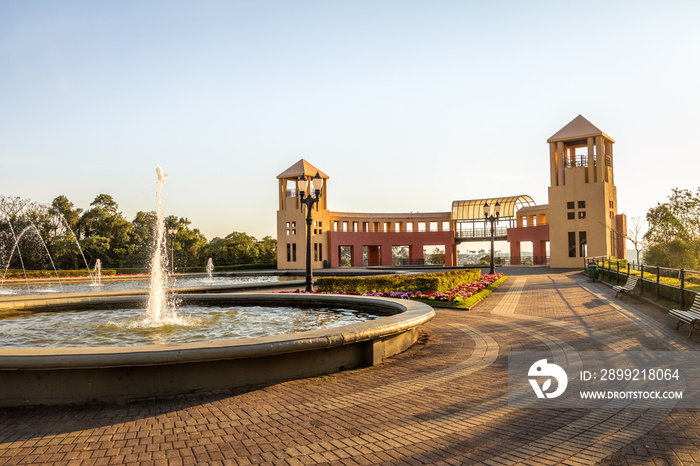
(425,282)
(19,274)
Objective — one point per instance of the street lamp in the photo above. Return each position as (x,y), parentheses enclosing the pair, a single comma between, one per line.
(304,186)
(172,232)
(492,219)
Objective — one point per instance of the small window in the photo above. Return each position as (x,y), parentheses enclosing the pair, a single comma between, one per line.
(581,204)
(287,231)
(294,224)
(582,214)
(570,215)
(569,205)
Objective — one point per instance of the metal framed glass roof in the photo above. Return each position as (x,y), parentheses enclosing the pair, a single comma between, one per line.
(473,210)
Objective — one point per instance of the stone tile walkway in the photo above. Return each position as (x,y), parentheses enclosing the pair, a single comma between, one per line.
(444,401)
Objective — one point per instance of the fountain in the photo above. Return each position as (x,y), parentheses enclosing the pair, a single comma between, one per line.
(210,268)
(157,295)
(79,370)
(16,247)
(97,278)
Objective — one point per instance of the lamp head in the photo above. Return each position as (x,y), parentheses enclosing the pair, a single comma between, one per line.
(302,184)
(317,181)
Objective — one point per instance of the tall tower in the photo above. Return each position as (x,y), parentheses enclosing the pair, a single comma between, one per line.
(583,219)
(291,220)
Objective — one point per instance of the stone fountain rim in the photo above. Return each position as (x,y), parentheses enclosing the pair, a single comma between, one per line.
(405,315)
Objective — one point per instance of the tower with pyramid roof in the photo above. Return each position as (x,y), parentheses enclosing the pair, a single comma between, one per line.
(583,219)
(291,220)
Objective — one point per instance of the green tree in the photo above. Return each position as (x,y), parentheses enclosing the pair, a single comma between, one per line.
(437,257)
(104,220)
(678,254)
(64,208)
(673,237)
(235,248)
(189,245)
(266,250)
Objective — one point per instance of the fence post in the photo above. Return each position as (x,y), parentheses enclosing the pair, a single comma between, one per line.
(609,270)
(682,298)
(658,286)
(618,272)
(628,270)
(641,281)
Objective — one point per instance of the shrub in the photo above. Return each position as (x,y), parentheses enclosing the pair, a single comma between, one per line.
(19,274)
(440,282)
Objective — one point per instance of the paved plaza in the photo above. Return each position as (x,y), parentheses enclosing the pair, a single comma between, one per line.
(444,401)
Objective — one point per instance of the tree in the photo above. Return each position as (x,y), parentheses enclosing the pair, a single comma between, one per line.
(267,250)
(236,248)
(188,246)
(673,237)
(635,236)
(437,257)
(677,254)
(62,207)
(104,220)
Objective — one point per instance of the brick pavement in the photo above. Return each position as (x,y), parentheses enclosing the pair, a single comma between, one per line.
(444,401)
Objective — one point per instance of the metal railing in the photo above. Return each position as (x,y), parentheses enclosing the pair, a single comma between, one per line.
(578,161)
(480,232)
(675,285)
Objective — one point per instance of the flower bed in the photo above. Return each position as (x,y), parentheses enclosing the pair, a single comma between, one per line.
(455,295)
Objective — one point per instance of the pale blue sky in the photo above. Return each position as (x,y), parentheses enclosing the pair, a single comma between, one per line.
(425,102)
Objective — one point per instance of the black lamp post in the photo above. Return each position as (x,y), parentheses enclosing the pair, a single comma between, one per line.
(492,219)
(304,186)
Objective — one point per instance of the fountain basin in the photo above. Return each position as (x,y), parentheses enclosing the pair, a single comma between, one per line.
(33,376)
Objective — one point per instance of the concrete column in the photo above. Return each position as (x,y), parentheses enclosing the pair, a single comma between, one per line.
(386,253)
(608,152)
(599,159)
(514,252)
(449,254)
(591,161)
(357,255)
(553,180)
(560,164)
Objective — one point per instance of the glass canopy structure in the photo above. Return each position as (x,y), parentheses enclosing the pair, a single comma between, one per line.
(468,217)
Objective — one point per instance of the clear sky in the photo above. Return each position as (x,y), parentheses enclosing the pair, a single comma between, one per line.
(406,105)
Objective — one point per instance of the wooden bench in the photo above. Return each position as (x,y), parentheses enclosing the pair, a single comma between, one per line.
(627,288)
(690,317)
